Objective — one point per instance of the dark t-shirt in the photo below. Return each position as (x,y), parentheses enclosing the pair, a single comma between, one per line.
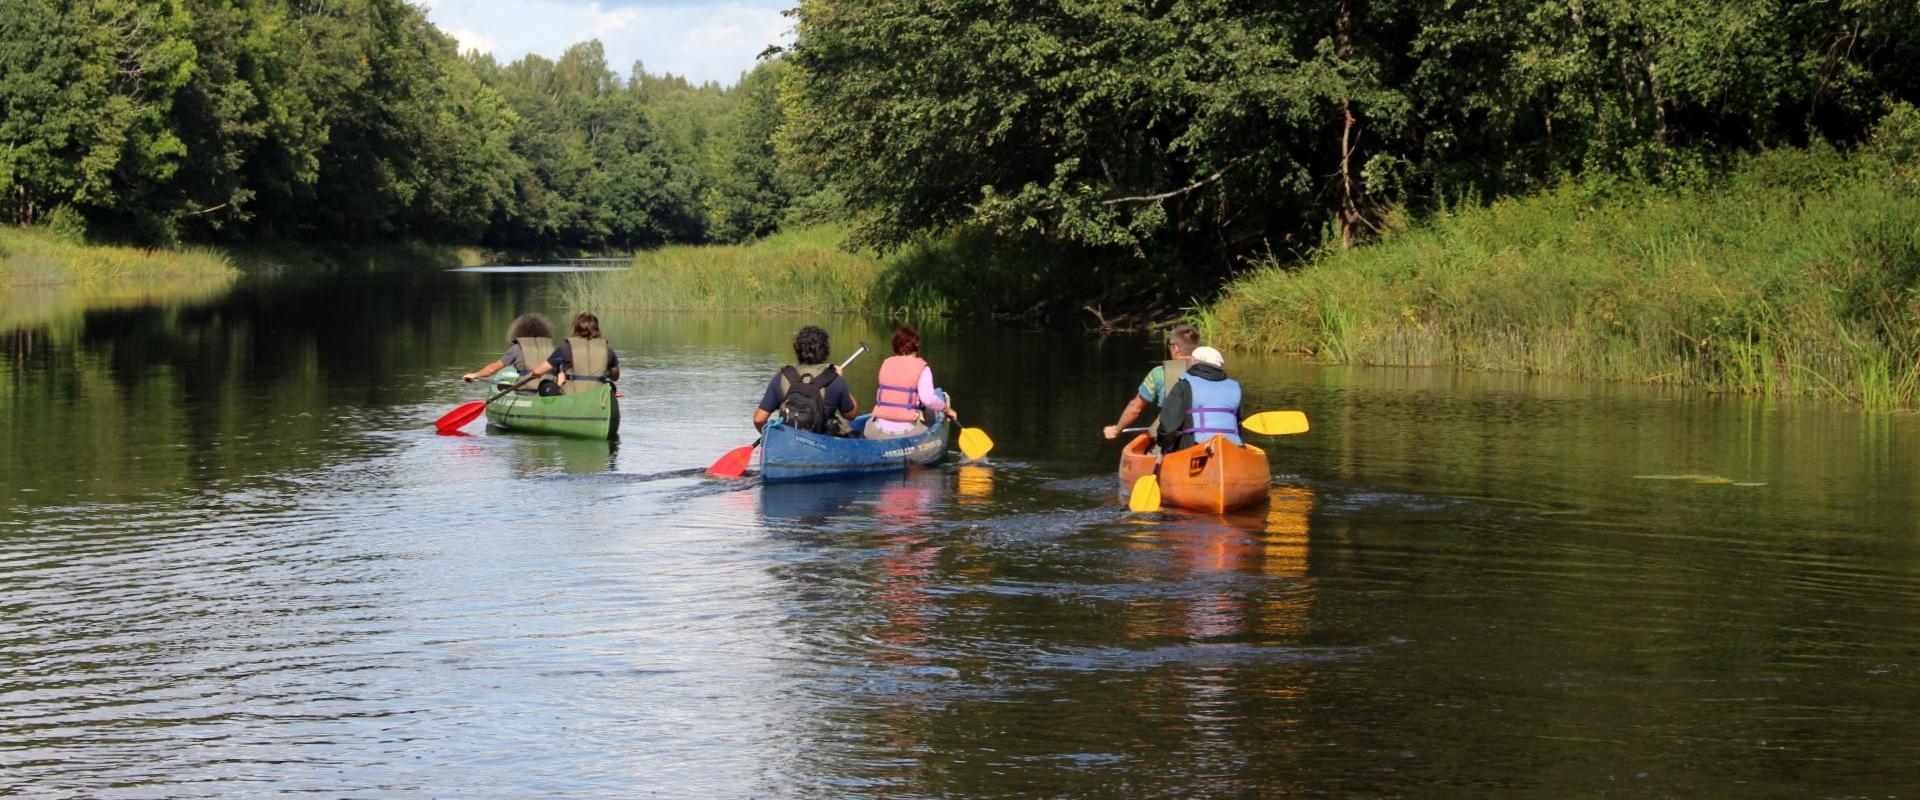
(563,356)
(837,395)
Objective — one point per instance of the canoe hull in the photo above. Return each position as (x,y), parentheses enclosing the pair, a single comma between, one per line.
(788,455)
(1215,476)
(588,415)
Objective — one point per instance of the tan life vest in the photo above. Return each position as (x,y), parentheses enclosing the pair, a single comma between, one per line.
(587,371)
(1172,370)
(898,398)
(533,352)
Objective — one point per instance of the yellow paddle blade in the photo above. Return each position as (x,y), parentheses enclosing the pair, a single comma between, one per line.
(1276,423)
(975,443)
(1146,494)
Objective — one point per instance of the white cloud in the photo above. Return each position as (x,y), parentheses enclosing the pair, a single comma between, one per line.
(471,39)
(703,41)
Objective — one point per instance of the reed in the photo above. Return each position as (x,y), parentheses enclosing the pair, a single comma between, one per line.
(33,257)
(800,270)
(1795,273)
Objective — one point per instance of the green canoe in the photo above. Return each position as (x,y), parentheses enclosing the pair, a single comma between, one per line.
(588,415)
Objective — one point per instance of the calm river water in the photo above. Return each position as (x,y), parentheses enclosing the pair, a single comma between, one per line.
(236,560)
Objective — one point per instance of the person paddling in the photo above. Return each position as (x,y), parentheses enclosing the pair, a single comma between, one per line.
(810,395)
(906,391)
(1203,404)
(584,361)
(529,341)
(1181,342)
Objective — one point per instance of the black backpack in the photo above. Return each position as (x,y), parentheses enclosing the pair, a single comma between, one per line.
(805,406)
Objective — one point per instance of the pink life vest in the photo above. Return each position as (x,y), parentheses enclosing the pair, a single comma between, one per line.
(898,399)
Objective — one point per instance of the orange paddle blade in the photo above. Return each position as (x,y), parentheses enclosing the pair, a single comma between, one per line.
(459,417)
(733,463)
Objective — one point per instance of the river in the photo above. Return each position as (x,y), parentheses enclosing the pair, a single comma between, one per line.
(235,559)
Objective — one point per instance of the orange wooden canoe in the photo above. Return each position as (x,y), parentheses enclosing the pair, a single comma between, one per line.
(1216,475)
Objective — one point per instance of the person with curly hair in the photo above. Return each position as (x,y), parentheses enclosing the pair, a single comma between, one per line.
(811,394)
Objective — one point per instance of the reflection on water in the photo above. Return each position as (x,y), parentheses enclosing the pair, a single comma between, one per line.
(234,555)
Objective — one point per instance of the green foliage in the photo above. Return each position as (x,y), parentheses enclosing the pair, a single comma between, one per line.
(158,120)
(1215,129)
(751,191)
(1796,273)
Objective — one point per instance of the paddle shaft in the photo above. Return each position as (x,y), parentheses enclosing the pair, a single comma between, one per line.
(516,385)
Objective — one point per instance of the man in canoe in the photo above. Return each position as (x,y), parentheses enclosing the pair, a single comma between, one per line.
(1202,404)
(906,395)
(1181,342)
(583,361)
(529,341)
(810,395)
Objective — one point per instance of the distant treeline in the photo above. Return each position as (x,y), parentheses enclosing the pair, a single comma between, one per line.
(208,120)
(1216,129)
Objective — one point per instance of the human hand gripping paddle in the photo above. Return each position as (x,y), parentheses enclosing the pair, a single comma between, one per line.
(735,461)
(454,420)
(1145,495)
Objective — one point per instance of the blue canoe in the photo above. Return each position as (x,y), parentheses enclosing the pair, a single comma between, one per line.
(788,454)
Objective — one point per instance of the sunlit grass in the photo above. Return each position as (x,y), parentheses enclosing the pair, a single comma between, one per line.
(1796,274)
(801,270)
(32,257)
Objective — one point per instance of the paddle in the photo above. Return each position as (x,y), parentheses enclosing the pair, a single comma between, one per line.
(1145,496)
(1276,423)
(974,443)
(736,460)
(467,412)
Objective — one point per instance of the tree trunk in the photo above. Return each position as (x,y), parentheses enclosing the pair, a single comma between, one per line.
(1354,218)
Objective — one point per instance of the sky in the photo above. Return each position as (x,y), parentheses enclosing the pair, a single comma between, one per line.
(703,40)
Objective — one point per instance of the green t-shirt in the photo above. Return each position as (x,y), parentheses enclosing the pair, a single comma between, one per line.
(1154,388)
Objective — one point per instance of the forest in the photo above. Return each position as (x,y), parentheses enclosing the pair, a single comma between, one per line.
(1181,140)
(171,121)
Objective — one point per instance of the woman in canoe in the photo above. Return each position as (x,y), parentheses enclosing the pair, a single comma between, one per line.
(906,391)
(583,361)
(529,341)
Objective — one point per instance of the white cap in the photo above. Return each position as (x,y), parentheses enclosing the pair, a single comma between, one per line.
(1208,355)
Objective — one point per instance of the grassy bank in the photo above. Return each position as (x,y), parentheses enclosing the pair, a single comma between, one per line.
(800,270)
(968,273)
(35,257)
(1796,273)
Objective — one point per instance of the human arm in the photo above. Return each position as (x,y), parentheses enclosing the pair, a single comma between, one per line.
(484,372)
(930,396)
(1151,388)
(847,406)
(1134,409)
(769,403)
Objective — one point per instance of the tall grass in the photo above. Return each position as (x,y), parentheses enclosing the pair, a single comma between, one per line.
(800,270)
(968,273)
(1796,273)
(36,257)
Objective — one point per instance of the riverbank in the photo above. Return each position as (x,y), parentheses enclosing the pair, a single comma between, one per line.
(970,273)
(36,257)
(1796,273)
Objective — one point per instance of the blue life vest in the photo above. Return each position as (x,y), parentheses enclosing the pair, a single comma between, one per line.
(1215,410)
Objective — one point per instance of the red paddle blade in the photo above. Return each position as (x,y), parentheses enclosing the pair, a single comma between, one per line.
(733,463)
(459,417)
